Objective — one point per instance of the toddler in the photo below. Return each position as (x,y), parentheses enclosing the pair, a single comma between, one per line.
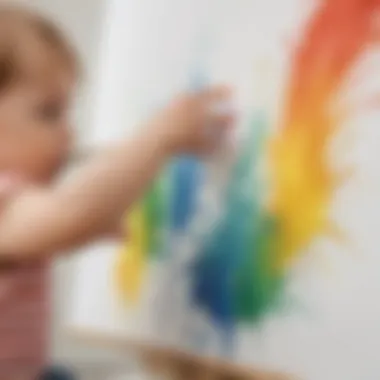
(38,71)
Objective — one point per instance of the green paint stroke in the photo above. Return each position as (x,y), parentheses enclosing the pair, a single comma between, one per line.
(258,285)
(155,210)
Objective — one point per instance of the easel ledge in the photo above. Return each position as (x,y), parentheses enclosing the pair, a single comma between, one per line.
(176,364)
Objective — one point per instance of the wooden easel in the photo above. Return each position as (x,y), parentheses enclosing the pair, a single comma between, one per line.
(173,365)
(169,364)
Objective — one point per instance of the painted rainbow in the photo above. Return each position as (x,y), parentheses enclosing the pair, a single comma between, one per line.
(240,273)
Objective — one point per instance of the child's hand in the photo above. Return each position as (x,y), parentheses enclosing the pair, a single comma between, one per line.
(191,124)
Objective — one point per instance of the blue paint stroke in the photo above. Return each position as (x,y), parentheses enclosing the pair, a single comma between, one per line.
(187,171)
(214,270)
(186,177)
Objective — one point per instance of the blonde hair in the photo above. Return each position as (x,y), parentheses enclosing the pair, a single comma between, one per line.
(31,46)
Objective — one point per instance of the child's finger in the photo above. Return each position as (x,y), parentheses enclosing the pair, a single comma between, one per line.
(216,131)
(216,94)
(222,121)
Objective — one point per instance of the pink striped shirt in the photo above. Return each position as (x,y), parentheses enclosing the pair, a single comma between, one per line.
(24,314)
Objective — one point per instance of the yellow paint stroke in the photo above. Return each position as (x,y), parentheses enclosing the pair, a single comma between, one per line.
(303,179)
(131,262)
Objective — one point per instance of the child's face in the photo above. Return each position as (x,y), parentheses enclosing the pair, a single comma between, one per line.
(35,135)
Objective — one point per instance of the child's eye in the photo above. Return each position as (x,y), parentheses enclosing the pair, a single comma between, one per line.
(50,111)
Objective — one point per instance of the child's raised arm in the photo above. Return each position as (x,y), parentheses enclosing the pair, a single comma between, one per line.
(38,221)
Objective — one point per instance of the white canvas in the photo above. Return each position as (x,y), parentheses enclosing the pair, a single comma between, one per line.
(330,330)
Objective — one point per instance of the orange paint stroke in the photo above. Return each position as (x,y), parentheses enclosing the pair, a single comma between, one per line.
(302,178)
